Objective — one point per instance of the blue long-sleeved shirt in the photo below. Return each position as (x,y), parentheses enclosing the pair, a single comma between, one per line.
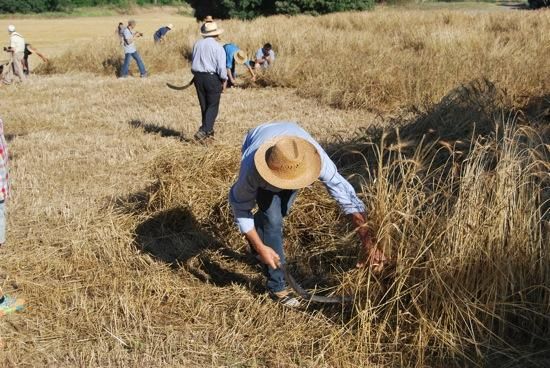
(209,57)
(242,195)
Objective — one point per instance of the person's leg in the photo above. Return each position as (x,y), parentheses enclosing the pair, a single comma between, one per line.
(18,65)
(201,95)
(125,66)
(272,208)
(213,96)
(8,304)
(141,66)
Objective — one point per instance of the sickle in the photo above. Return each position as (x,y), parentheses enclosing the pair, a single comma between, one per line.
(180,88)
(342,299)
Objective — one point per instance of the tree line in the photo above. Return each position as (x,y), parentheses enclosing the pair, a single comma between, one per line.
(244,9)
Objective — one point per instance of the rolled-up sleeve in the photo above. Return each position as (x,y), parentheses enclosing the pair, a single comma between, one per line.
(339,188)
(242,198)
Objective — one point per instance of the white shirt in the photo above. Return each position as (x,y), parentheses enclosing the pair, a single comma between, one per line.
(17,42)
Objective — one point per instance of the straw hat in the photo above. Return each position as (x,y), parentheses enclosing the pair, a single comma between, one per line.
(288,162)
(240,57)
(11,28)
(210,30)
(208,19)
(171,26)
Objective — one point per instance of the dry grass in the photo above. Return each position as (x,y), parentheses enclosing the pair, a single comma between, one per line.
(380,60)
(121,239)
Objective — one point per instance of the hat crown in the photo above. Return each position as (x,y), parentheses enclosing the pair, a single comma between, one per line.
(209,27)
(286,159)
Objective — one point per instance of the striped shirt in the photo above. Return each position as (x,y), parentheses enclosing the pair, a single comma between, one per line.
(4,183)
(242,195)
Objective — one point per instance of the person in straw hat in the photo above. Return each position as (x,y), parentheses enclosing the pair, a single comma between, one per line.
(278,159)
(210,76)
(233,56)
(160,34)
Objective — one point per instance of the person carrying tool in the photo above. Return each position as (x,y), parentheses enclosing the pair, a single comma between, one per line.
(29,50)
(8,304)
(233,56)
(278,159)
(209,76)
(17,50)
(160,34)
(130,51)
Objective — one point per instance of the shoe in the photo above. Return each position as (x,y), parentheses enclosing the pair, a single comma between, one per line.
(200,135)
(285,298)
(11,304)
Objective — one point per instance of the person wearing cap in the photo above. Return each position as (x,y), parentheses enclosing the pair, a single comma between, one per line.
(17,49)
(233,56)
(130,51)
(278,159)
(161,33)
(265,56)
(209,76)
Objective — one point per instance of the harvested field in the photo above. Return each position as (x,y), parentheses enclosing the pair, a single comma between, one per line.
(121,239)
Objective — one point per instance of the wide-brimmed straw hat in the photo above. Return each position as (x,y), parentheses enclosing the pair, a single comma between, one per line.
(210,30)
(240,57)
(288,162)
(171,26)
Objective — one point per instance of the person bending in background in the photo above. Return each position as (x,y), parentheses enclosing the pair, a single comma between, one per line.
(29,50)
(209,77)
(8,304)
(160,34)
(130,50)
(233,56)
(278,159)
(265,56)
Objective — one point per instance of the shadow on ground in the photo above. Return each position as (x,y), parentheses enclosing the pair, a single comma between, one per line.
(158,129)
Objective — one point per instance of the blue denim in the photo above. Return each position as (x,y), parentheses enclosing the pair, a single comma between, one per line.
(272,209)
(126,65)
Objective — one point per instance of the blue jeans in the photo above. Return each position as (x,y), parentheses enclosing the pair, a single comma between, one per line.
(126,65)
(272,208)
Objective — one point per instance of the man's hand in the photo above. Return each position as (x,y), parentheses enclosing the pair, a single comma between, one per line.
(268,256)
(370,255)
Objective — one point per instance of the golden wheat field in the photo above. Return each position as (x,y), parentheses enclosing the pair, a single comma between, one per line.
(122,242)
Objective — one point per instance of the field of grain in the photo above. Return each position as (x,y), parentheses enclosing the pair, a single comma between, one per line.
(121,239)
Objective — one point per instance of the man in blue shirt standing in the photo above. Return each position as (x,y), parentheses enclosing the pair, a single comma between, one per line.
(130,51)
(161,33)
(233,56)
(278,159)
(210,77)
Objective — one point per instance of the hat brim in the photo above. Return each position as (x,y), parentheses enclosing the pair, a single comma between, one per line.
(240,60)
(215,33)
(310,175)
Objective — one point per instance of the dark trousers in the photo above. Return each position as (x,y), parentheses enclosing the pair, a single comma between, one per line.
(272,209)
(209,91)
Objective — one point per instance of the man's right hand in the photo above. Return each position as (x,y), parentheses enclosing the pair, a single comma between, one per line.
(269,256)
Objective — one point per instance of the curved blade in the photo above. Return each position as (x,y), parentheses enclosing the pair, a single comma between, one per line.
(180,88)
(343,299)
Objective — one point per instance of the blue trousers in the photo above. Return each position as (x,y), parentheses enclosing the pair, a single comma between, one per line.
(126,65)
(272,209)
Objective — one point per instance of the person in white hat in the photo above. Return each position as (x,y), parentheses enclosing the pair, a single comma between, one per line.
(130,51)
(233,56)
(278,159)
(17,50)
(209,76)
(160,34)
